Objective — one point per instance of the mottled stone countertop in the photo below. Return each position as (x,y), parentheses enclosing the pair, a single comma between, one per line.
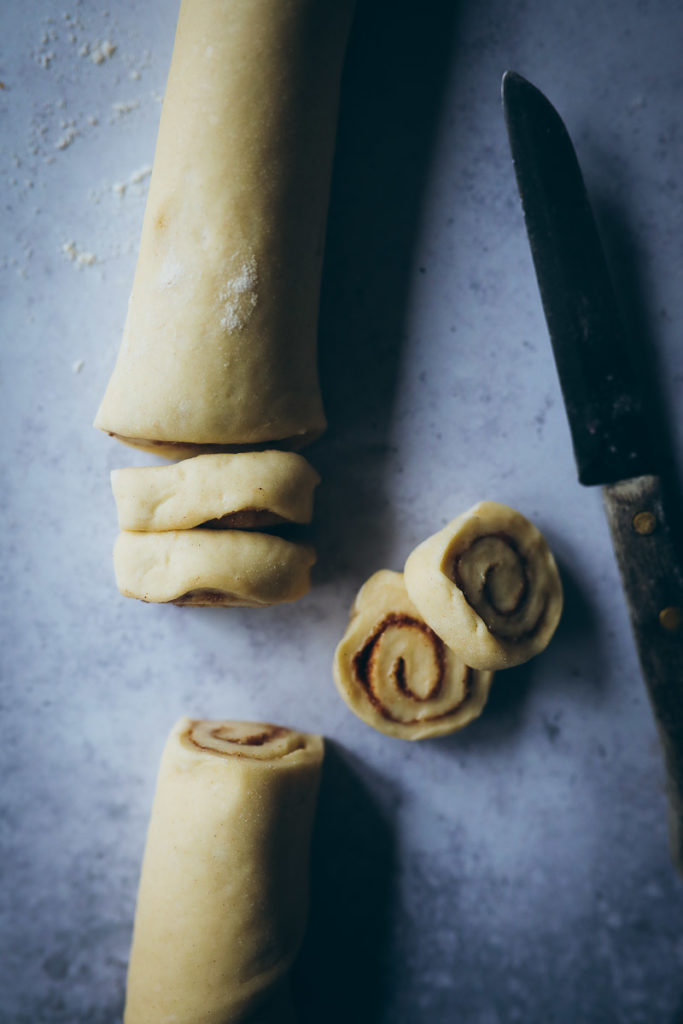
(517,871)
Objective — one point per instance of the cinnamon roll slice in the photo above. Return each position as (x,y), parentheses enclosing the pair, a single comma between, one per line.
(212,567)
(245,491)
(396,674)
(223,895)
(488,585)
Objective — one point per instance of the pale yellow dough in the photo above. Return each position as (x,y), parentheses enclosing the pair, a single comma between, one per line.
(223,895)
(488,584)
(212,567)
(219,345)
(264,487)
(396,674)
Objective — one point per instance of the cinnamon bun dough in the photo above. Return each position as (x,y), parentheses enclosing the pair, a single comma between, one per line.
(219,344)
(223,894)
(212,567)
(396,674)
(488,585)
(246,490)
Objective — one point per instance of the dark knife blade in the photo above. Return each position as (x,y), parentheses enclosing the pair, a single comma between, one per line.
(608,422)
(605,410)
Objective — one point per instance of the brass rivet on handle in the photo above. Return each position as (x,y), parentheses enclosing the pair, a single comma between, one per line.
(671,619)
(644,522)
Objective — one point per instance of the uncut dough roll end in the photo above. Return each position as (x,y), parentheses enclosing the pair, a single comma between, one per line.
(219,344)
(223,895)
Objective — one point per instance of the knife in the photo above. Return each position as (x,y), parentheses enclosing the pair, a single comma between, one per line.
(609,422)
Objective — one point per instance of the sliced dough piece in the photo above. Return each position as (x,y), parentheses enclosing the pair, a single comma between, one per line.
(488,585)
(219,345)
(223,895)
(212,567)
(248,490)
(396,674)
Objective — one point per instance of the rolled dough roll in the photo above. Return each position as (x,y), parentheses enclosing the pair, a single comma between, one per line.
(252,489)
(396,674)
(223,895)
(212,567)
(219,345)
(488,585)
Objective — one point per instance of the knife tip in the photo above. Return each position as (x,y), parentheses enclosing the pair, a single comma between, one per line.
(511,80)
(522,97)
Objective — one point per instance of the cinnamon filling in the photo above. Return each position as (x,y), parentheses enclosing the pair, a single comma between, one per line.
(243,519)
(270,732)
(365,670)
(227,733)
(494,577)
(204,597)
(259,740)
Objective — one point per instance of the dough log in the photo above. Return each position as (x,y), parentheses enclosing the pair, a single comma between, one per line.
(396,674)
(223,895)
(219,345)
(488,585)
(251,489)
(212,567)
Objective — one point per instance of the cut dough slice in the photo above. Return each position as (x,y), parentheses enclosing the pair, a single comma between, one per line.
(212,567)
(488,585)
(252,489)
(219,345)
(223,895)
(396,674)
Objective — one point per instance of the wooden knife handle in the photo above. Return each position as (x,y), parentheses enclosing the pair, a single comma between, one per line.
(652,576)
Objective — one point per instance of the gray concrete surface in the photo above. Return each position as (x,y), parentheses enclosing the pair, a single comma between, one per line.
(517,871)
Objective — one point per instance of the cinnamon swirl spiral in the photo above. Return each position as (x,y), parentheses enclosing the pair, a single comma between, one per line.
(258,740)
(488,585)
(396,674)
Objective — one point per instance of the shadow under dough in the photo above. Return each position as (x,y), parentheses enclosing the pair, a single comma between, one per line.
(394,80)
(340,974)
